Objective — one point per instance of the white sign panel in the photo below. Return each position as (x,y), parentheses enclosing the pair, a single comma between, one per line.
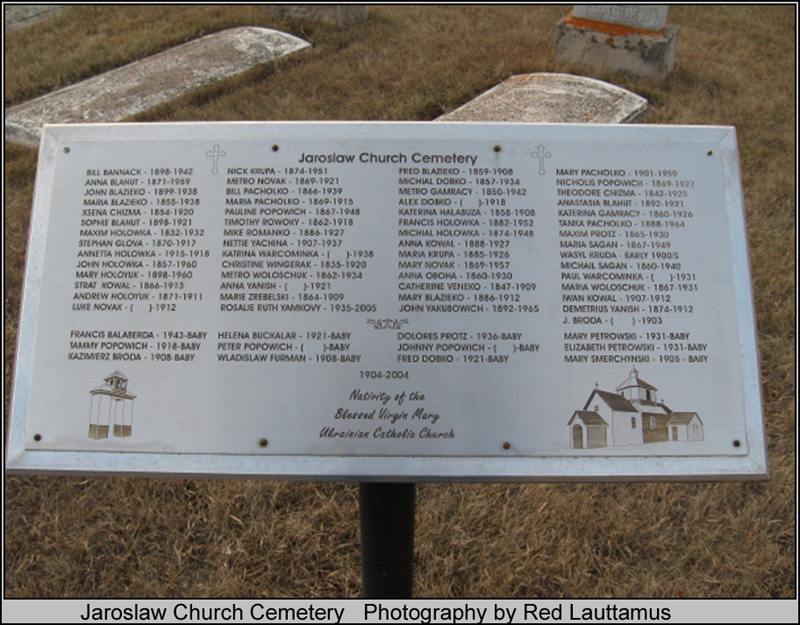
(388,300)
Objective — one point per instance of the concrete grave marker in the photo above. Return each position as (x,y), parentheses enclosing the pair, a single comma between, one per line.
(405,301)
(144,84)
(628,38)
(553,98)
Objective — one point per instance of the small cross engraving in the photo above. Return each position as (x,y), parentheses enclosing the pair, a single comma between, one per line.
(215,154)
(541,154)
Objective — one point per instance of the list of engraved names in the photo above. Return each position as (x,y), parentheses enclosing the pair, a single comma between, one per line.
(624,279)
(382,294)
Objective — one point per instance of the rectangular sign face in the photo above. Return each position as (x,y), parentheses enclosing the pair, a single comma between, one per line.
(388,300)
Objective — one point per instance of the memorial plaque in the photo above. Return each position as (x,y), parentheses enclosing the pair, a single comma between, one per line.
(407,301)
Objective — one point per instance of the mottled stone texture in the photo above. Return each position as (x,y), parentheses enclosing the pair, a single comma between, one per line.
(142,85)
(341,15)
(21,15)
(643,54)
(644,16)
(552,98)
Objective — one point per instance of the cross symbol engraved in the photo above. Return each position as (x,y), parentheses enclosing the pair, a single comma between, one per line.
(541,154)
(215,154)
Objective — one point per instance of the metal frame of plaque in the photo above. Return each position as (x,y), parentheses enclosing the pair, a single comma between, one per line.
(388,301)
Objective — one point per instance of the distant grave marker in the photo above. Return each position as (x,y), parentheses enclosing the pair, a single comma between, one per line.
(628,38)
(340,15)
(552,98)
(144,84)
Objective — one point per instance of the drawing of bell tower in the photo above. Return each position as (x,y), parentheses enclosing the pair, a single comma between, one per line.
(636,390)
(111,403)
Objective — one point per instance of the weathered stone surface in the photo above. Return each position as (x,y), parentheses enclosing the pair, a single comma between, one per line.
(21,15)
(154,80)
(341,15)
(644,16)
(552,98)
(646,54)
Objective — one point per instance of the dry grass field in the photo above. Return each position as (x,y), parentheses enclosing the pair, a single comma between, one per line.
(90,537)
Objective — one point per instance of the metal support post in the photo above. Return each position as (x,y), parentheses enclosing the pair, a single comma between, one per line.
(387,539)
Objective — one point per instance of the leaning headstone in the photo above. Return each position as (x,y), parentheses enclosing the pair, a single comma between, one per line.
(144,84)
(340,15)
(626,38)
(552,98)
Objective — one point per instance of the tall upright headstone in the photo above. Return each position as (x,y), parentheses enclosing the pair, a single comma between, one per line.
(628,38)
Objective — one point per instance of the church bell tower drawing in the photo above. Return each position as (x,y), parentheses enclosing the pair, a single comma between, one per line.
(111,404)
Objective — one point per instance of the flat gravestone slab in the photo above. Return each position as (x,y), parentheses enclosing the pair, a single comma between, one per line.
(553,98)
(642,16)
(405,301)
(142,85)
(21,15)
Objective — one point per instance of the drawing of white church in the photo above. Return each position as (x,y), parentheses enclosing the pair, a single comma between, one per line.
(630,416)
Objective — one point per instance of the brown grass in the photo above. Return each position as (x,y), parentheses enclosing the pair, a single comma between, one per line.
(76,537)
